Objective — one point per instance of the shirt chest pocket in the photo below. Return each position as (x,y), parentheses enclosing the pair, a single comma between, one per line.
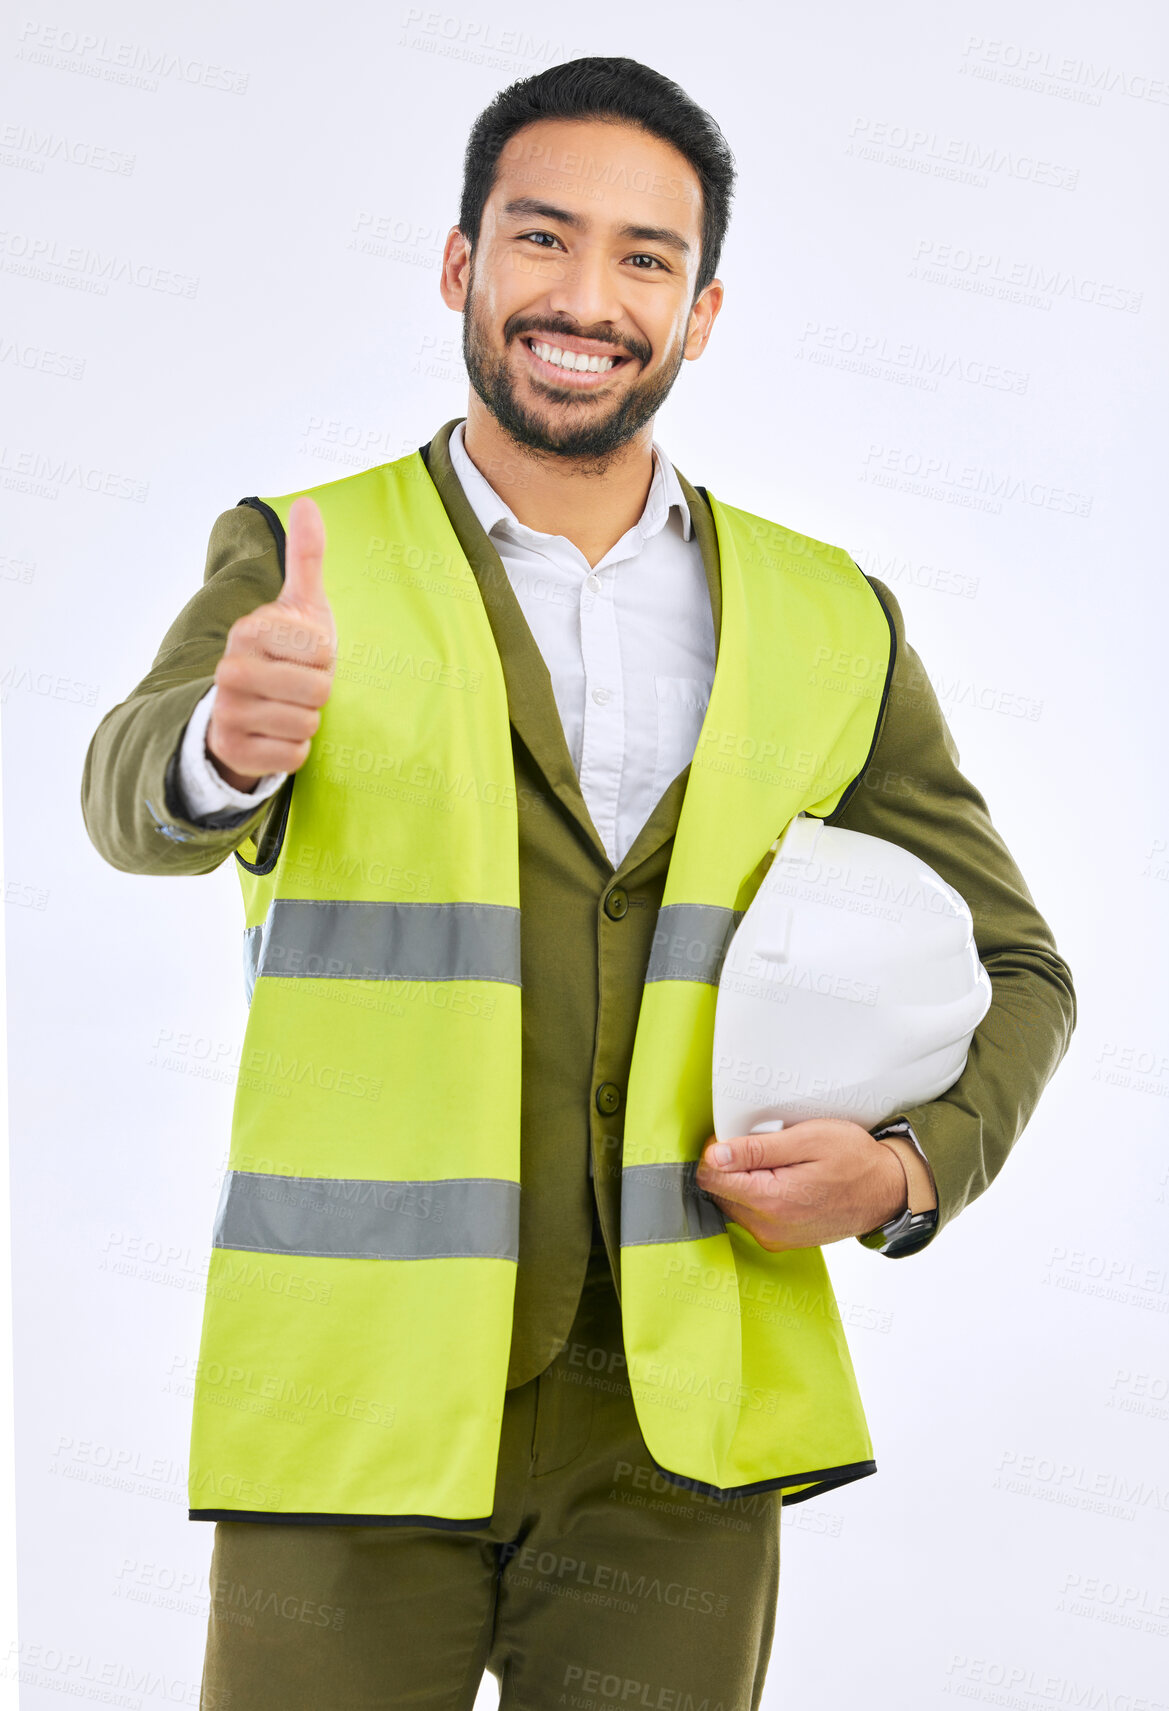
(681,704)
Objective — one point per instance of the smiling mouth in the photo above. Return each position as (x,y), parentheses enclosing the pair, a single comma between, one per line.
(576,368)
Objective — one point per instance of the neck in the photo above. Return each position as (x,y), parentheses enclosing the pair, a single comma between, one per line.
(592,502)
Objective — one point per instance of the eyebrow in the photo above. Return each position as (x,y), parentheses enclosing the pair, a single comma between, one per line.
(533,207)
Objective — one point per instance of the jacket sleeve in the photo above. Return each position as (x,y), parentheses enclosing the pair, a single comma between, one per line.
(913,794)
(130,797)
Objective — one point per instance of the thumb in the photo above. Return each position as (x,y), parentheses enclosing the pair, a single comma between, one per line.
(304,556)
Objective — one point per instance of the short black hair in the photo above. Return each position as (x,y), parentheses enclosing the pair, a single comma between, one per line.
(613,89)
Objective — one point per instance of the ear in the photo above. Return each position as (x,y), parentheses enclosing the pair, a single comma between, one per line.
(456,268)
(702,318)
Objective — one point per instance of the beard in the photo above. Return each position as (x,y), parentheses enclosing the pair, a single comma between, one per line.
(586,426)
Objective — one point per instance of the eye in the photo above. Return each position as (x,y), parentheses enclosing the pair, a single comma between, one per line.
(550,235)
(657,262)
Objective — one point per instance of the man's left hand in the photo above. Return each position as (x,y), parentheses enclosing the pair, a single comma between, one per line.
(813,1182)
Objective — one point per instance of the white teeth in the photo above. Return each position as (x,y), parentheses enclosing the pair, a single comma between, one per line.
(576,360)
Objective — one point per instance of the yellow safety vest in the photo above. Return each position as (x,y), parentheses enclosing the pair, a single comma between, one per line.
(358,1313)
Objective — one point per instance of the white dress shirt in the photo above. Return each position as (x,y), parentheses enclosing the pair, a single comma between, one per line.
(629,645)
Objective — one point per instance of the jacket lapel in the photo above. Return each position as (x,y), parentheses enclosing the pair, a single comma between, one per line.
(531,702)
(663,821)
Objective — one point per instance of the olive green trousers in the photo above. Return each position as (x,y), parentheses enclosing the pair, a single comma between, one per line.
(598,1585)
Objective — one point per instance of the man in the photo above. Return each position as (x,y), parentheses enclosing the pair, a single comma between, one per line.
(462,711)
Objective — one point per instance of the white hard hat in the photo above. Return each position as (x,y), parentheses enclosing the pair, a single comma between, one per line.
(851,987)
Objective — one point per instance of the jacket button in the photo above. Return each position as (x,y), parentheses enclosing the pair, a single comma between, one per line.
(616,904)
(608,1098)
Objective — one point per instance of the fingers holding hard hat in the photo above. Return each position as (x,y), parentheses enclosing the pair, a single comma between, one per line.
(812,1182)
(789,1195)
(769,1191)
(798,1143)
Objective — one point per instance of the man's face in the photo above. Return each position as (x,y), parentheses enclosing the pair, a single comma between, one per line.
(588,250)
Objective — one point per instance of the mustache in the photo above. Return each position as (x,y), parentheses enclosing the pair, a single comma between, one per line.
(633,347)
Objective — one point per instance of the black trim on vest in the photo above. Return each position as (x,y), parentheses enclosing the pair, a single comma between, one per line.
(277,528)
(855,785)
(827,1485)
(312,1519)
(274,523)
(422,451)
(281,828)
(826,1478)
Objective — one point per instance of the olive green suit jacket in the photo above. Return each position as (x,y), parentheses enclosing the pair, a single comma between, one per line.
(583,968)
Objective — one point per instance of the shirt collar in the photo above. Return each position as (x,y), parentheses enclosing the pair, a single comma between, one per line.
(665,491)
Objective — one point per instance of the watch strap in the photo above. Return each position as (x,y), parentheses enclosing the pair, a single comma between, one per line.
(918,1181)
(912,1228)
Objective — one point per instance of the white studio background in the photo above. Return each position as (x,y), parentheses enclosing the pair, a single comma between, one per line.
(943,348)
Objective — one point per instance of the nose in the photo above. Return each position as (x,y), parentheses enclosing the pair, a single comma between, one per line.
(587,290)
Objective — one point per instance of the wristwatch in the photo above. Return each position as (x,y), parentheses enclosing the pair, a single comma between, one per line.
(909,1230)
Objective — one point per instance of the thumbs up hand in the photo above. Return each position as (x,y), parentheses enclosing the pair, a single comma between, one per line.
(277,668)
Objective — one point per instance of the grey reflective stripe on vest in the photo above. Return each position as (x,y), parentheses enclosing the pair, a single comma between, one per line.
(253,939)
(690,941)
(663,1203)
(385,941)
(355,1218)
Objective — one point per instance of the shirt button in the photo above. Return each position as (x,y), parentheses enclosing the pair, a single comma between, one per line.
(608,1098)
(602,696)
(616,904)
(593,583)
